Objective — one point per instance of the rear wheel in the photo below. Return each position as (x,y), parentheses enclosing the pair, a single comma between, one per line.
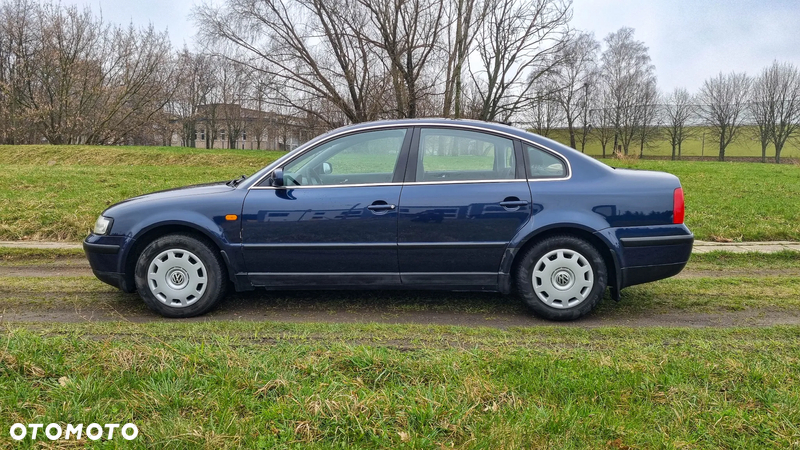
(562,278)
(178,275)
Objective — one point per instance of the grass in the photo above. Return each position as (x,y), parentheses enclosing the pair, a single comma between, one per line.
(57,192)
(721,261)
(239,385)
(26,255)
(746,145)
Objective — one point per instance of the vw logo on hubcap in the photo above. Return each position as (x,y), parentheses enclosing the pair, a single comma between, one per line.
(563,279)
(177,278)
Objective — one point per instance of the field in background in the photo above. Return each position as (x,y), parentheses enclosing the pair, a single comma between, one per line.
(747,145)
(57,192)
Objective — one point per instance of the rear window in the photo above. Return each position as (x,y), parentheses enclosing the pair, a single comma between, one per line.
(544,164)
(460,155)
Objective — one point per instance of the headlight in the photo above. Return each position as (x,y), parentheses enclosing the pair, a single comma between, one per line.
(103,225)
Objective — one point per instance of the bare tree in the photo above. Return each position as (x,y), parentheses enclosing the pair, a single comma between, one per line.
(259,122)
(233,92)
(519,42)
(775,106)
(723,103)
(545,114)
(73,79)
(762,110)
(316,47)
(464,17)
(677,111)
(588,99)
(138,81)
(195,82)
(603,121)
(627,76)
(407,34)
(573,78)
(647,113)
(18,45)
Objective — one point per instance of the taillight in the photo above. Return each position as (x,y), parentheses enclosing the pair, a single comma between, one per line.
(678,206)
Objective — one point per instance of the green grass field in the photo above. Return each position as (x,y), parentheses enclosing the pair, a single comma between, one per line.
(746,145)
(270,385)
(273,385)
(57,192)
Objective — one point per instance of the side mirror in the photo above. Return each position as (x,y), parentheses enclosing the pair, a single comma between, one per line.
(327,168)
(277,177)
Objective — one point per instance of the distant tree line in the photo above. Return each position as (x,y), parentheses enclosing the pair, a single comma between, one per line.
(68,77)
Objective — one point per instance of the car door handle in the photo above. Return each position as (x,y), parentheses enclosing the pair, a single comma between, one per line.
(513,203)
(381,207)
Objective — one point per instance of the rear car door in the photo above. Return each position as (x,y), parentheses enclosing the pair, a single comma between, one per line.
(464,198)
(334,222)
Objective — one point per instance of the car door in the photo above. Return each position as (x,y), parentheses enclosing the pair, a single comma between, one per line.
(465,197)
(334,222)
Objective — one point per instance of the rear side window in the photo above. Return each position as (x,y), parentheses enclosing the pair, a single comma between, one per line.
(545,165)
(459,155)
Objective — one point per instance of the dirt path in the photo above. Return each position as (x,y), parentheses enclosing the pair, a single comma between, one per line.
(257,307)
(79,267)
(349,307)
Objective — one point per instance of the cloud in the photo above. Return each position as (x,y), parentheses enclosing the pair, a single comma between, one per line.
(691,41)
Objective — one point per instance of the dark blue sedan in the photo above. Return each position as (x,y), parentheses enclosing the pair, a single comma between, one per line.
(413,204)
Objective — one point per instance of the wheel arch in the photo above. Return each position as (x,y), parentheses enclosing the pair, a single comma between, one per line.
(513,256)
(150,234)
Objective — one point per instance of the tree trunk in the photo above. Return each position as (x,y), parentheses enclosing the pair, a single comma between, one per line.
(722,148)
(778,150)
(673,151)
(615,143)
(764,152)
(572,136)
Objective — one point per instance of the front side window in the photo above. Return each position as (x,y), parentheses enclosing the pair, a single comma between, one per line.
(362,158)
(459,155)
(544,165)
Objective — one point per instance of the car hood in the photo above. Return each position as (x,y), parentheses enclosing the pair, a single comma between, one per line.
(186,191)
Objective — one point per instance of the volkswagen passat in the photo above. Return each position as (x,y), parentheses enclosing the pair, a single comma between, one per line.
(412,204)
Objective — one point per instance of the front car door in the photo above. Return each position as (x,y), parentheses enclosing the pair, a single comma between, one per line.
(464,199)
(334,222)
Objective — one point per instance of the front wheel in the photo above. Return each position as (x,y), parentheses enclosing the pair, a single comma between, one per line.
(562,278)
(178,275)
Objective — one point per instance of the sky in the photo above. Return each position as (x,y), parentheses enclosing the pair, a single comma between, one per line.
(689,40)
(693,40)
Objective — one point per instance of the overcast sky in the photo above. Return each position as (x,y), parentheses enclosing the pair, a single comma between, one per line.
(689,40)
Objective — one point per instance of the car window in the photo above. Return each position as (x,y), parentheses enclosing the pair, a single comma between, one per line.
(459,155)
(362,158)
(545,165)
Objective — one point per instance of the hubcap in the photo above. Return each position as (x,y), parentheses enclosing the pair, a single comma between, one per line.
(562,278)
(177,278)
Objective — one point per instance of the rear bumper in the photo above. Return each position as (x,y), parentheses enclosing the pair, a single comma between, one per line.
(651,258)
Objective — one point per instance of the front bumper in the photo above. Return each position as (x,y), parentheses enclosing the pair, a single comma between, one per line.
(106,259)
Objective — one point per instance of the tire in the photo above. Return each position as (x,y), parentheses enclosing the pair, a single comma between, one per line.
(562,278)
(178,275)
